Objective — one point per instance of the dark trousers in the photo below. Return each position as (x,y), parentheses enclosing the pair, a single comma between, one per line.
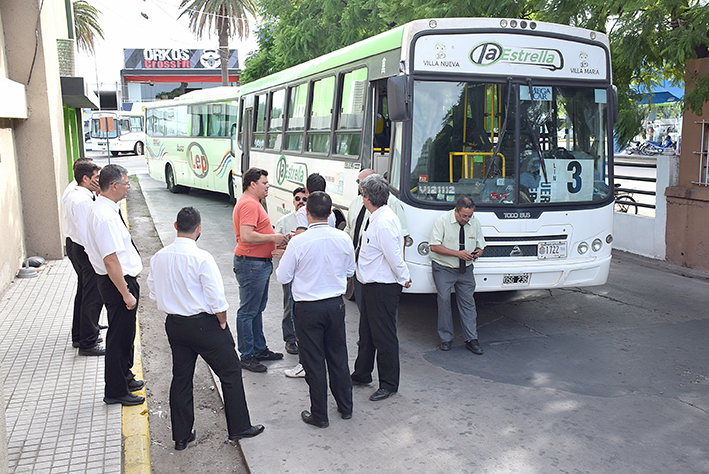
(202,335)
(287,325)
(120,335)
(320,326)
(87,302)
(377,335)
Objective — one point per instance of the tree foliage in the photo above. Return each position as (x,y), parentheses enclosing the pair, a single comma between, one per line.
(226,18)
(651,40)
(86,26)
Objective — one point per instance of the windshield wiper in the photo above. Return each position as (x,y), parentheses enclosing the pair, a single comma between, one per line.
(535,137)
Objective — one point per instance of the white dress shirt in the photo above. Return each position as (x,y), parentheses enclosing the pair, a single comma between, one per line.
(318,262)
(185,280)
(75,208)
(106,234)
(357,204)
(301,219)
(65,223)
(381,257)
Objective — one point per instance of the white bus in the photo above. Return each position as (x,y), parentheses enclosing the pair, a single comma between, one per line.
(188,140)
(516,114)
(124,132)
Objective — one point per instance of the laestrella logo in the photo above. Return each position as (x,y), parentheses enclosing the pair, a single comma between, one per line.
(489,53)
(295,173)
(197,158)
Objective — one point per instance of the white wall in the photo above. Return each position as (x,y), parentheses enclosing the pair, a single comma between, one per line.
(646,235)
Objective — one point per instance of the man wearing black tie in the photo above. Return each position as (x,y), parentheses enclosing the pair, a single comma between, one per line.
(456,242)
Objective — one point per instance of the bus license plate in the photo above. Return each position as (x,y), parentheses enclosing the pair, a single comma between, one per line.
(519,279)
(551,250)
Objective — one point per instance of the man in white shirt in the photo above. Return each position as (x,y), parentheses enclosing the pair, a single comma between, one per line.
(286,225)
(117,263)
(185,282)
(87,303)
(315,182)
(357,215)
(317,264)
(382,271)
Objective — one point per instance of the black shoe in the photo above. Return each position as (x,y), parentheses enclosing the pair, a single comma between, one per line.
(346,416)
(474,347)
(446,346)
(253,365)
(311,420)
(182,444)
(250,433)
(269,355)
(93,351)
(135,385)
(381,394)
(360,382)
(291,347)
(75,345)
(126,400)
(102,327)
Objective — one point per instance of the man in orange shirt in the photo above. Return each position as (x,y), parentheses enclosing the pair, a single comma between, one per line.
(255,242)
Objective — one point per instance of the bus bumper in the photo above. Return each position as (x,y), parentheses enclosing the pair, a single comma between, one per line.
(498,276)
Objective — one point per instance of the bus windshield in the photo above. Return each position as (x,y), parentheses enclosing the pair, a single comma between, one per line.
(509,144)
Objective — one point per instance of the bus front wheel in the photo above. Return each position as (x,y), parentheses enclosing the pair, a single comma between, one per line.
(172,186)
(138,148)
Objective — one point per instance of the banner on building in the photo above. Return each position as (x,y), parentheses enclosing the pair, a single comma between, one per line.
(178,58)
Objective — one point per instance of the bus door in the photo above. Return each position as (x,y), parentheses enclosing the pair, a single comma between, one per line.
(246,133)
(381,127)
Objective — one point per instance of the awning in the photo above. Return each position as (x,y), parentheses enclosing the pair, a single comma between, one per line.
(76,94)
(662,94)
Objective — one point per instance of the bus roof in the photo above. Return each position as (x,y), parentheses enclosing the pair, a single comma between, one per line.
(213,94)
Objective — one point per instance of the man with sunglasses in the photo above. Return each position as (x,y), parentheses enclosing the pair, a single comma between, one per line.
(118,264)
(456,242)
(286,225)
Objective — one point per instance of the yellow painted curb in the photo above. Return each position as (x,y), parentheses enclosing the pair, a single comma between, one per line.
(136,426)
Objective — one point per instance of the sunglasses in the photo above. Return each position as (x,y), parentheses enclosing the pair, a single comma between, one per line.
(298,198)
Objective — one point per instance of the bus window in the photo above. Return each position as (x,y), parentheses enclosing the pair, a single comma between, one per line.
(297,97)
(136,124)
(275,124)
(351,117)
(182,122)
(218,117)
(197,120)
(321,115)
(259,121)
(170,122)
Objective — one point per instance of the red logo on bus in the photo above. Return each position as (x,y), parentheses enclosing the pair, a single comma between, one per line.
(198,160)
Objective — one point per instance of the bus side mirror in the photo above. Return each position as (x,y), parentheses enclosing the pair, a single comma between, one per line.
(614,104)
(399,99)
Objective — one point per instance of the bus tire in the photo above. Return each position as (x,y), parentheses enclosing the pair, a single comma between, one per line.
(115,153)
(139,148)
(170,181)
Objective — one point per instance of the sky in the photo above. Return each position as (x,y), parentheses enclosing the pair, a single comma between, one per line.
(124,27)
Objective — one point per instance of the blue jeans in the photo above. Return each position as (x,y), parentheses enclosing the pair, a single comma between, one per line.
(252,276)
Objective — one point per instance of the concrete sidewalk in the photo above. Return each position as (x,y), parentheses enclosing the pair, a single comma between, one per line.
(55,415)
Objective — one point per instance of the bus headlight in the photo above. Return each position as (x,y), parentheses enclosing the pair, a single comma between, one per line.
(423,249)
(408,241)
(582,248)
(609,238)
(596,245)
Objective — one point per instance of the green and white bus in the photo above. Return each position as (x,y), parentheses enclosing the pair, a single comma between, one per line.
(516,114)
(188,140)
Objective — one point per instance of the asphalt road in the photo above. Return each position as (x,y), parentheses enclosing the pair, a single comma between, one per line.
(603,379)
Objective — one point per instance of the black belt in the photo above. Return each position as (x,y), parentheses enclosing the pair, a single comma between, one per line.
(260,259)
(198,315)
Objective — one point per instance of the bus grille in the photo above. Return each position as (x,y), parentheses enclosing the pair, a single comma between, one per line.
(511,246)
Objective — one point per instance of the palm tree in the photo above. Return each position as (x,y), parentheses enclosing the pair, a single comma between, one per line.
(226,17)
(86,27)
